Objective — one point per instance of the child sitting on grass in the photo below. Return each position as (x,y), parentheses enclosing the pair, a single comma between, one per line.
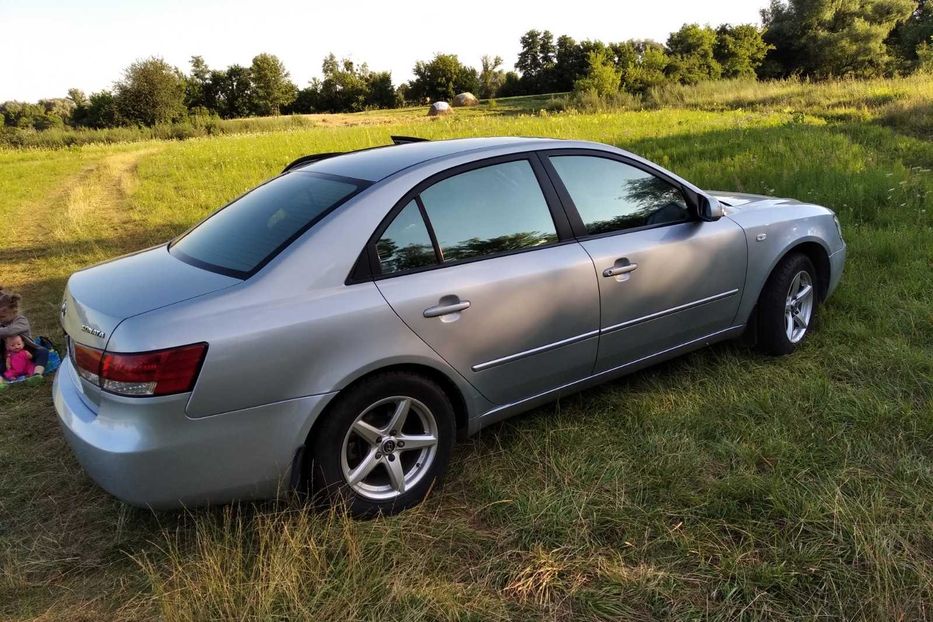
(14,324)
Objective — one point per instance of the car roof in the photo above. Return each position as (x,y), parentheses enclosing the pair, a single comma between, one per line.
(380,162)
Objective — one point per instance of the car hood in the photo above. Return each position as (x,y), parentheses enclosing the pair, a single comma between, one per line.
(97,299)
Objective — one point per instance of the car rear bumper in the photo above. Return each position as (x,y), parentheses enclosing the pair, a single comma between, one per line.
(837,263)
(148,453)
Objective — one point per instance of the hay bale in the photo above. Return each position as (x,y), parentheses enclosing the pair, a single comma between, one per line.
(439,109)
(465,99)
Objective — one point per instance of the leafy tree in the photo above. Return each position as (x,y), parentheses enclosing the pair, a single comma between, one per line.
(101,111)
(574,64)
(740,50)
(602,78)
(44,114)
(381,92)
(403,92)
(548,60)
(56,112)
(443,77)
(308,99)
(344,88)
(197,87)
(229,92)
(570,63)
(491,76)
(546,50)
(925,57)
(512,86)
(692,52)
(824,38)
(151,92)
(644,65)
(529,59)
(20,114)
(347,87)
(537,61)
(912,38)
(271,88)
(77,97)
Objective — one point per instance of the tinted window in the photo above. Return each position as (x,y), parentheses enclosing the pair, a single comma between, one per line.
(250,230)
(489,210)
(406,243)
(611,196)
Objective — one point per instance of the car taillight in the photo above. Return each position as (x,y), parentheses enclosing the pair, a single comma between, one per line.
(87,362)
(162,372)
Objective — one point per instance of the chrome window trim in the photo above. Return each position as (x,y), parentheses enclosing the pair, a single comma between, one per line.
(367,266)
(573,215)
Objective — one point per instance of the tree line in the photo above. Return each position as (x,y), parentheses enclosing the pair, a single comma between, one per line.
(816,39)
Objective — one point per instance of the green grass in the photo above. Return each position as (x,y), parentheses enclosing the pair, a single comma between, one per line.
(724,484)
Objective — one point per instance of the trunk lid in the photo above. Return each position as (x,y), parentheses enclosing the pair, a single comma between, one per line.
(97,299)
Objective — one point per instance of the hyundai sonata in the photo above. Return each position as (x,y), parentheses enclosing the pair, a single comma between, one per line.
(342,324)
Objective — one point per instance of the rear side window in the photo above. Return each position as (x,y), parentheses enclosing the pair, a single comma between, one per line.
(614,196)
(406,243)
(489,210)
(246,234)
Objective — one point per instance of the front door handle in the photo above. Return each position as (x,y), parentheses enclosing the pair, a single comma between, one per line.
(446,308)
(617,270)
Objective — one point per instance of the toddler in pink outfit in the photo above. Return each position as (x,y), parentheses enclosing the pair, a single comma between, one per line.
(18,359)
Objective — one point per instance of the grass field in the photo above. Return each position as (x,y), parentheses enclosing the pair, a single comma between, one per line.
(724,485)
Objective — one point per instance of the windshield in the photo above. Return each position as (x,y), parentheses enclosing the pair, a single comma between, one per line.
(245,235)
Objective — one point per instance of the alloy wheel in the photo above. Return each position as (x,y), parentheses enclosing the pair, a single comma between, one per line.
(798,308)
(389,448)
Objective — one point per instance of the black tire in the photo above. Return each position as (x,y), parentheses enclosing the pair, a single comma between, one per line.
(772,321)
(325,470)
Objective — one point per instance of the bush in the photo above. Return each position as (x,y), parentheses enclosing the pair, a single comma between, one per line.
(601,77)
(593,101)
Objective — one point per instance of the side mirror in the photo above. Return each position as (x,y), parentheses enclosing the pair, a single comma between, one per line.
(710,208)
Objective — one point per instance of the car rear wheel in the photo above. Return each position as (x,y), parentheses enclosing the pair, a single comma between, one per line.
(383,445)
(787,307)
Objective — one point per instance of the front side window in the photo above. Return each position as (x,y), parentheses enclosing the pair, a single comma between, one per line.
(406,243)
(241,237)
(489,210)
(613,196)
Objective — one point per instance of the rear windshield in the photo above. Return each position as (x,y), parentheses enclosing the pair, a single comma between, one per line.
(243,236)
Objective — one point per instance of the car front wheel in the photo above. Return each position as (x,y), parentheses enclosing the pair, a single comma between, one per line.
(787,307)
(383,445)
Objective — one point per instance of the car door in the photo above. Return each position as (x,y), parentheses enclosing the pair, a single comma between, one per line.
(665,277)
(474,262)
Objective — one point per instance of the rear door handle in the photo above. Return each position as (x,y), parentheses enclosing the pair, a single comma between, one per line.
(617,270)
(446,309)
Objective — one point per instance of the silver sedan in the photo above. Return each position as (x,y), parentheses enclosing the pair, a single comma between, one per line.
(338,327)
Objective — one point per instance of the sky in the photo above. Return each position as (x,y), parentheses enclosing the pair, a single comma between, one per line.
(48,47)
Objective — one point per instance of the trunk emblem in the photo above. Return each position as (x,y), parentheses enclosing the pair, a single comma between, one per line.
(93,331)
